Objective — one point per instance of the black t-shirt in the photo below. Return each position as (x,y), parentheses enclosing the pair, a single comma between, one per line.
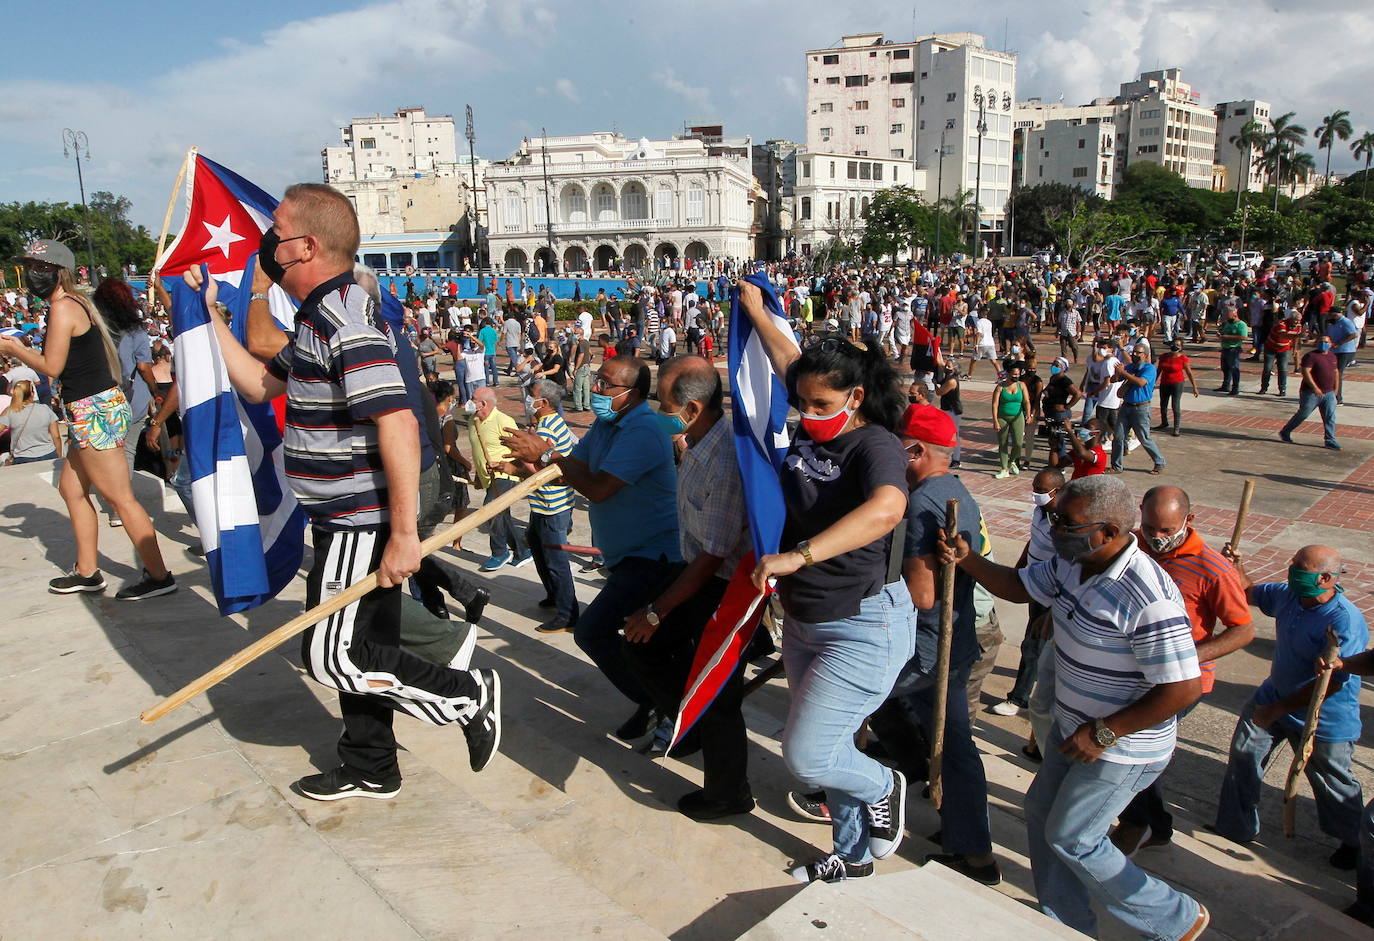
(822,482)
(950,401)
(1057,393)
(554,365)
(925,521)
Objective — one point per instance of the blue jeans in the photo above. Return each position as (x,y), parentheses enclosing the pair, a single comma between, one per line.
(502,526)
(1230,368)
(840,672)
(1309,400)
(1271,362)
(552,564)
(181,483)
(490,360)
(1134,416)
(1343,360)
(1334,788)
(634,582)
(1364,875)
(513,354)
(51,455)
(1069,808)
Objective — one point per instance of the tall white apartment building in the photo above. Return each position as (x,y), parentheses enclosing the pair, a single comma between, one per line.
(1071,144)
(938,94)
(1164,124)
(1231,117)
(409,141)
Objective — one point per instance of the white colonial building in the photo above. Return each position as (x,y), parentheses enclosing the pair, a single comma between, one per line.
(833,192)
(601,201)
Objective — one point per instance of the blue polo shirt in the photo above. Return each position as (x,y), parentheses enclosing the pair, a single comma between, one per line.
(1113,305)
(1343,335)
(1133,394)
(1300,636)
(641,518)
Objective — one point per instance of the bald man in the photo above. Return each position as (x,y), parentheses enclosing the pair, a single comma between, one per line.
(1303,607)
(489,456)
(1214,597)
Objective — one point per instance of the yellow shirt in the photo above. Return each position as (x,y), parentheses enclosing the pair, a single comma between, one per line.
(484,438)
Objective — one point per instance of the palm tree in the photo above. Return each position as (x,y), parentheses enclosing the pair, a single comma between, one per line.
(1299,165)
(1282,140)
(1364,147)
(1250,137)
(1334,125)
(965,211)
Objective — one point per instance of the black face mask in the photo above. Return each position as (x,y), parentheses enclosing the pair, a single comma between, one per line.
(42,281)
(267,254)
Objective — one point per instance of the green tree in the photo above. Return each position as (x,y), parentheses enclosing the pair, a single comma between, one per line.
(1301,166)
(1364,147)
(1250,137)
(897,219)
(114,239)
(1089,228)
(1282,141)
(1334,125)
(1031,205)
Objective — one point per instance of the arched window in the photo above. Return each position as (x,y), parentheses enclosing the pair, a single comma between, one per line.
(603,198)
(634,202)
(572,204)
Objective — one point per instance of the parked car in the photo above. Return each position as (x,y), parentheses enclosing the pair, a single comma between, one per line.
(1300,260)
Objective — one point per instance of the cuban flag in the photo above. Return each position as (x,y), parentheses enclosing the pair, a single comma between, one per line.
(251,527)
(758,406)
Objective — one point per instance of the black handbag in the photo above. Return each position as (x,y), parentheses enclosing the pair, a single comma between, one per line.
(149,460)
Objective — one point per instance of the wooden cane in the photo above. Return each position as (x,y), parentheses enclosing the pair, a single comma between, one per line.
(1303,752)
(345,598)
(937,744)
(1246,493)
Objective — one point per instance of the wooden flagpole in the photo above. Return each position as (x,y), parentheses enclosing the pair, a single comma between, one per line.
(937,742)
(1303,751)
(1246,493)
(166,224)
(345,598)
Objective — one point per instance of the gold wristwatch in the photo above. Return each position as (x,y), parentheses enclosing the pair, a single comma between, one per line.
(804,547)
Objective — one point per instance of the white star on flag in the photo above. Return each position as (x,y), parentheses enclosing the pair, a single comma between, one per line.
(221,236)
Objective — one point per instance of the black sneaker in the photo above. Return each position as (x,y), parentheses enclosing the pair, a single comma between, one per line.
(73,582)
(548,602)
(830,869)
(341,782)
(472,611)
(483,730)
(810,806)
(1345,858)
(147,587)
(700,807)
(887,819)
(639,724)
(991,874)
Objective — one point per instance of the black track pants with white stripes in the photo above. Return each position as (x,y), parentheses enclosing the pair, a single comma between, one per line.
(359,644)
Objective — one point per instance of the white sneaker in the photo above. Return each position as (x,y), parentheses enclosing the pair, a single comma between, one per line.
(1006,708)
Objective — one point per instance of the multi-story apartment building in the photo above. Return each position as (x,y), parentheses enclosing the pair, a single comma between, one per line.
(1239,169)
(409,141)
(598,201)
(1164,124)
(938,99)
(1073,145)
(833,191)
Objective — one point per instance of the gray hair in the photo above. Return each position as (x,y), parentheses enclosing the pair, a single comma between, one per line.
(549,390)
(367,280)
(694,380)
(1105,500)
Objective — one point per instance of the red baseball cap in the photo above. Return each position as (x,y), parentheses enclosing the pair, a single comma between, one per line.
(928,424)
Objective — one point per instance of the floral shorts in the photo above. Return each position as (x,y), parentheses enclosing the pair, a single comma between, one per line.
(100,421)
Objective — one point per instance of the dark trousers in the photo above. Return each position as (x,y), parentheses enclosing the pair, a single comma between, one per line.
(555,571)
(1031,646)
(1343,360)
(502,531)
(634,582)
(1230,368)
(1147,808)
(434,579)
(360,643)
(1170,397)
(662,664)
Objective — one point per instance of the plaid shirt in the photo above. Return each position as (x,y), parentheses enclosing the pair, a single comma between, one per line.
(710,500)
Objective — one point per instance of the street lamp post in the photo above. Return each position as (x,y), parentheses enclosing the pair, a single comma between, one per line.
(476,219)
(548,208)
(981,101)
(939,195)
(72,143)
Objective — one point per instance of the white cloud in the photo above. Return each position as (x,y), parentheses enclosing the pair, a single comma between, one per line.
(567,89)
(697,95)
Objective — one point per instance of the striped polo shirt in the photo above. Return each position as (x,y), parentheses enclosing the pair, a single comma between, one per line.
(340,372)
(1116,635)
(1211,590)
(553,498)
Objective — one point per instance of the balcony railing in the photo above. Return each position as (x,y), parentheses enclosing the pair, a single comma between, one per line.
(601,166)
(603,225)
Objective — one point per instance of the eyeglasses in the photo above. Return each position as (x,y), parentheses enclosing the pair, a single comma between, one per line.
(830,343)
(600,384)
(1061,521)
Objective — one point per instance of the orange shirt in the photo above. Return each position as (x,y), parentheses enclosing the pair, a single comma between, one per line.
(1211,591)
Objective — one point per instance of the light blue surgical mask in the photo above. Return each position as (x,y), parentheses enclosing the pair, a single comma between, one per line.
(672,424)
(603,405)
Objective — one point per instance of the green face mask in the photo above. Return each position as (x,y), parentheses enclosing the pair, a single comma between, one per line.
(1304,584)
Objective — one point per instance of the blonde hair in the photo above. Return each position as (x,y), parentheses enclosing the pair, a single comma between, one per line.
(22,394)
(67,282)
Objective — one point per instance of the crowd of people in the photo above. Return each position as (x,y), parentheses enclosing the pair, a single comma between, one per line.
(1129,609)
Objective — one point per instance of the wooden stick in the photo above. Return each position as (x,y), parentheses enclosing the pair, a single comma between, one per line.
(344,598)
(1303,752)
(937,743)
(1246,493)
(166,224)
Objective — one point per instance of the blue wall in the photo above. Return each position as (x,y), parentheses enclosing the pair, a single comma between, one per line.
(467,286)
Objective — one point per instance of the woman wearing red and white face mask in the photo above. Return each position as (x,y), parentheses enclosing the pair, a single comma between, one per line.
(849,627)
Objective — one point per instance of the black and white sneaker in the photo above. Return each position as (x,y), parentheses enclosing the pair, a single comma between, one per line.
(830,869)
(74,581)
(147,587)
(887,819)
(483,730)
(810,806)
(340,783)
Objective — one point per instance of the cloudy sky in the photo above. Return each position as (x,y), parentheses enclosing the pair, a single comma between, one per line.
(262,90)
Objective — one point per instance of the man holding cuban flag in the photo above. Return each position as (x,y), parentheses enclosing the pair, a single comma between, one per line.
(352,459)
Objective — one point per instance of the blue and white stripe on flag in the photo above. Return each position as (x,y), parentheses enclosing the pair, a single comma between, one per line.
(758,405)
(251,526)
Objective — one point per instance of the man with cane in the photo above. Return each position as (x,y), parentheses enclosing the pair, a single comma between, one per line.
(1125,665)
(352,458)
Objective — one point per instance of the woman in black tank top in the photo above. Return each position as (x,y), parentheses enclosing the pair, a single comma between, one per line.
(77,351)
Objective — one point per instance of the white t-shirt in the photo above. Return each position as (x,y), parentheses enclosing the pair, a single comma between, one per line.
(1110,396)
(585,319)
(984,327)
(477,369)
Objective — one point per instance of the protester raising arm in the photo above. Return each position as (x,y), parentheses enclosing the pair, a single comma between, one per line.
(247,373)
(782,348)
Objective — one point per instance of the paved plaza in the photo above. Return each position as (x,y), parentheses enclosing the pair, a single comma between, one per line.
(188,828)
